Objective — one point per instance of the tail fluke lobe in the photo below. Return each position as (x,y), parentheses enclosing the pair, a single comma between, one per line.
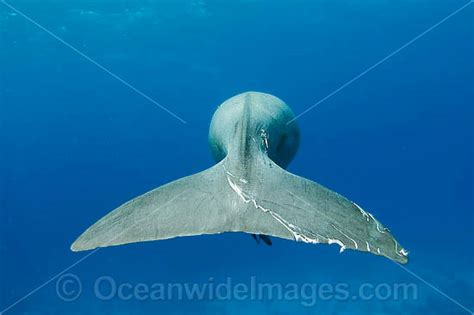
(185,207)
(314,214)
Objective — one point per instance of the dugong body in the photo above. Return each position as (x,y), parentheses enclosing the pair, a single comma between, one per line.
(252,138)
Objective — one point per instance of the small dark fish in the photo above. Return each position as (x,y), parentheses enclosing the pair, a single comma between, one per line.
(266,239)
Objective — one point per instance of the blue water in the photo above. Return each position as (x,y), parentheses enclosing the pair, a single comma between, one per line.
(76,143)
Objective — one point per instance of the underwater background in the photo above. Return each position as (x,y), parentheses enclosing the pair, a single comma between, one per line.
(76,143)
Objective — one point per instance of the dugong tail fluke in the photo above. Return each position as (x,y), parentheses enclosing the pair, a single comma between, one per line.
(248,190)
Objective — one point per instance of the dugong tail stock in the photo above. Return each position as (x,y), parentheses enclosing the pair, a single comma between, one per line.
(248,190)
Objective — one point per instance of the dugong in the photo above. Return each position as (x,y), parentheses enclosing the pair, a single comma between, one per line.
(253,138)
